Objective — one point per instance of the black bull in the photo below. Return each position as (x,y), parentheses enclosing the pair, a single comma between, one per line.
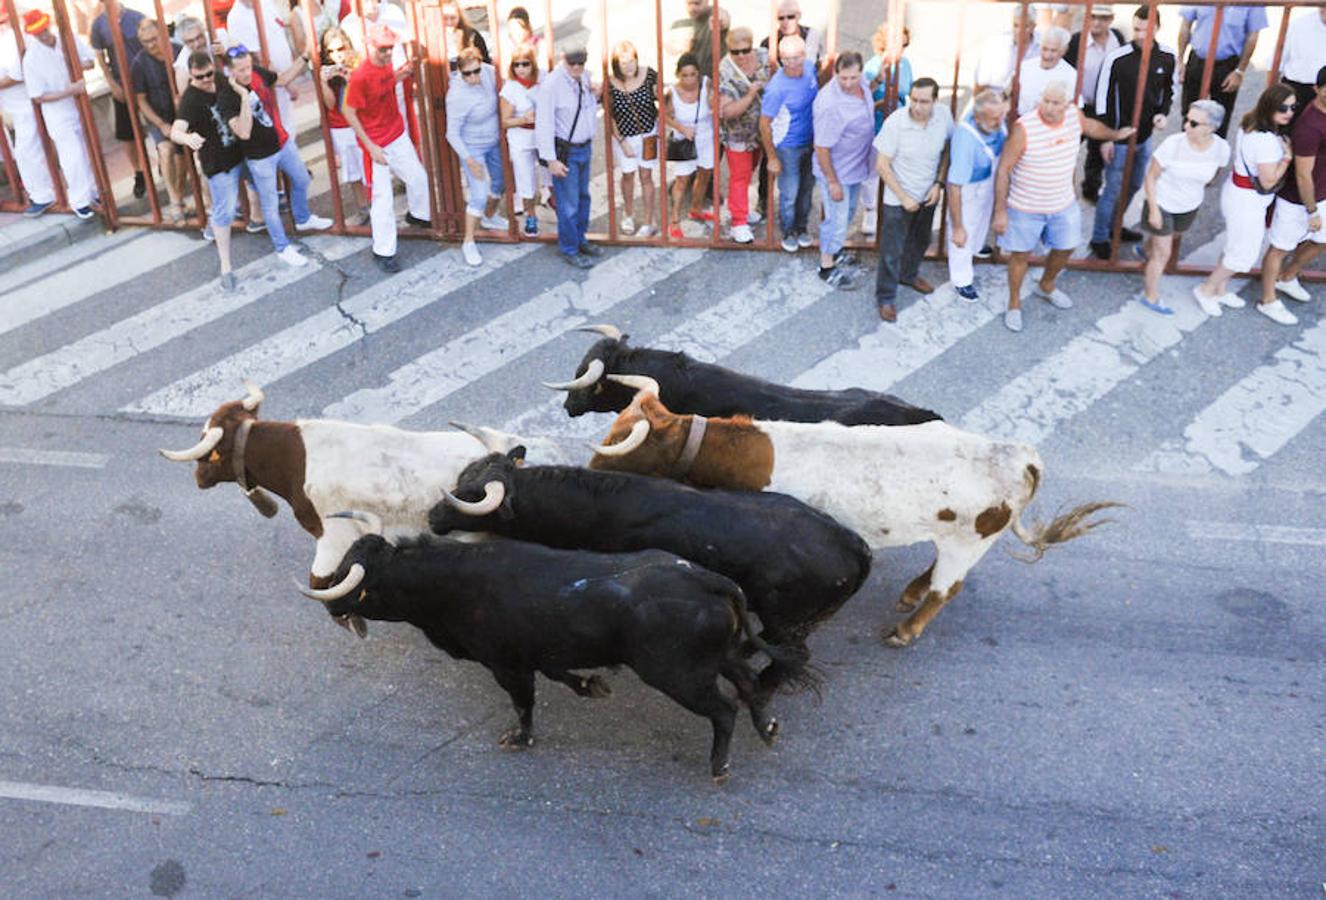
(690,386)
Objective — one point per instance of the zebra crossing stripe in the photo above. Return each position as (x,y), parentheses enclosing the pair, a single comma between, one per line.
(325,332)
(1030,407)
(443,371)
(720,330)
(57,261)
(44,375)
(1265,534)
(1255,418)
(59,284)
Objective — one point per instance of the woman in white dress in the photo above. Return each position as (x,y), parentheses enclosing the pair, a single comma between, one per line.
(516,102)
(689,116)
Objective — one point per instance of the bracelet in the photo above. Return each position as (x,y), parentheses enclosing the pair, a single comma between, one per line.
(1240,72)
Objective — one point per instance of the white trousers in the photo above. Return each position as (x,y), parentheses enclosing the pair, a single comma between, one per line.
(67,135)
(31,159)
(977,207)
(403,162)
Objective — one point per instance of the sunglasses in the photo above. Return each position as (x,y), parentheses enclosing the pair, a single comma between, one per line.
(1193,122)
(203,76)
(466,73)
(522,62)
(237,51)
(791,18)
(741,51)
(1288,107)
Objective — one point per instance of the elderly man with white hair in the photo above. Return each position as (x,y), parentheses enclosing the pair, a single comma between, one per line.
(1035,201)
(1049,65)
(999,55)
(973,155)
(786,131)
(789,23)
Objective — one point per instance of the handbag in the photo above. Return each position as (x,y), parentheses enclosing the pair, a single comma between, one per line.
(682,149)
(650,149)
(1256,180)
(562,148)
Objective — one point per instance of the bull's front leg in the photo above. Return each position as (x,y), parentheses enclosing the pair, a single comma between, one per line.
(585,686)
(520,685)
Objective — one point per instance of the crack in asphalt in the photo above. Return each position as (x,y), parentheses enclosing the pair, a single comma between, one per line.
(344,278)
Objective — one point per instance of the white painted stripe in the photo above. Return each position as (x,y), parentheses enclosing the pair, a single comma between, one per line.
(441,372)
(63,258)
(924,330)
(1030,407)
(1266,534)
(30,457)
(45,793)
(736,320)
(1256,417)
(327,331)
(72,363)
(65,285)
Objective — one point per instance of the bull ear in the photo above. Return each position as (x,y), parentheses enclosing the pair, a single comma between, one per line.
(516,454)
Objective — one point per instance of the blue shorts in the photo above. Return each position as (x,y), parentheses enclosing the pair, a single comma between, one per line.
(492,186)
(224,187)
(1058,231)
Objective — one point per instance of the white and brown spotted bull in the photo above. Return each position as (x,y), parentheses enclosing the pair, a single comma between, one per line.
(895,485)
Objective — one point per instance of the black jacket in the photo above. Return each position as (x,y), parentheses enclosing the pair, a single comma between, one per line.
(1118,86)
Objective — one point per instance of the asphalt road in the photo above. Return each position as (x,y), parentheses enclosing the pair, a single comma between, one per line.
(1138,714)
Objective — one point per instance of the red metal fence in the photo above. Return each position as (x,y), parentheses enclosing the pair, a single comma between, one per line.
(430,53)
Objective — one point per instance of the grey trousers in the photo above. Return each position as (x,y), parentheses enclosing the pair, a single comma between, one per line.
(903,238)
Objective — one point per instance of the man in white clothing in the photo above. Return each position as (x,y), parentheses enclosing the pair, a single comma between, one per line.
(1034,74)
(1304,55)
(242,26)
(998,59)
(47,77)
(17,108)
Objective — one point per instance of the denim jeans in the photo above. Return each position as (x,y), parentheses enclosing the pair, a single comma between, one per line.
(795,187)
(263,171)
(224,188)
(1109,195)
(572,193)
(903,238)
(837,215)
(491,185)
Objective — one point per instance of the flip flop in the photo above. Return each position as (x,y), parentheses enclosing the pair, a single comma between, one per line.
(1156,307)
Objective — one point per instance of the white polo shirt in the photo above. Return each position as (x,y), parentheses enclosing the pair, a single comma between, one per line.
(1305,47)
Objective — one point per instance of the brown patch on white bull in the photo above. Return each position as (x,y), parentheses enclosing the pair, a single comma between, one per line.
(946,515)
(993,520)
(911,595)
(736,455)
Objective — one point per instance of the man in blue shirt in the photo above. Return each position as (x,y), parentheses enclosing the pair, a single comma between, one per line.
(1233,50)
(973,156)
(103,41)
(786,126)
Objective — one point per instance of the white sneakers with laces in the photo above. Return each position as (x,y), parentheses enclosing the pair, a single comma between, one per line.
(314,223)
(1276,312)
(495,222)
(1209,305)
(1293,290)
(292,257)
(742,234)
(471,253)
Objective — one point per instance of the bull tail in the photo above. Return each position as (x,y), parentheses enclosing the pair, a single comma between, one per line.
(792,664)
(1074,523)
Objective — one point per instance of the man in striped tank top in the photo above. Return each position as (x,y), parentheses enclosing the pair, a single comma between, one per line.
(1035,198)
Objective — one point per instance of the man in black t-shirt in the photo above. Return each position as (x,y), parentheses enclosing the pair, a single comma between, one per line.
(201,126)
(156,103)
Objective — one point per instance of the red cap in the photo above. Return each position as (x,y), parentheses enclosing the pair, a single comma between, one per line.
(35,21)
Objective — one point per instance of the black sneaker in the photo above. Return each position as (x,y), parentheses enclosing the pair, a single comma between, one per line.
(838,277)
(844,258)
(140,185)
(1100,249)
(1127,234)
(417,223)
(590,250)
(579,260)
(984,253)
(968,292)
(388,264)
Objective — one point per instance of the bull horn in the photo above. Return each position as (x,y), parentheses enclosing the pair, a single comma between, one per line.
(639,431)
(494,492)
(479,434)
(254,396)
(211,437)
(608,331)
(372,520)
(592,374)
(639,382)
(336,591)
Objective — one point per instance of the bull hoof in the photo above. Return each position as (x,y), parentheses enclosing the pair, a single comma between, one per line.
(595,687)
(515,740)
(721,776)
(904,605)
(769,733)
(892,638)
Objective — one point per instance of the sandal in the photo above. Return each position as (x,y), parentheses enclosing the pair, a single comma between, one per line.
(1156,307)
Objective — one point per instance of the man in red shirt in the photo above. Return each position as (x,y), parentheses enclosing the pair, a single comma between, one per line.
(1296,229)
(370,108)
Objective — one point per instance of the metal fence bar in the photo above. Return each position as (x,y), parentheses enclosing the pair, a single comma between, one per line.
(92,143)
(131,102)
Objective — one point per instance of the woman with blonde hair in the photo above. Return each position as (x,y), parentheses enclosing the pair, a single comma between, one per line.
(460,34)
(339,59)
(633,124)
(516,110)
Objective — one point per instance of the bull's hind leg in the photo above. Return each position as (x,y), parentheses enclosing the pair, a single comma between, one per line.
(752,692)
(520,685)
(697,690)
(952,562)
(912,594)
(584,685)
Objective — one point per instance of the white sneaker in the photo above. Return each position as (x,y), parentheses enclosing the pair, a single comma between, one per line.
(1232,300)
(754,218)
(1013,319)
(1293,290)
(1209,305)
(742,234)
(292,257)
(627,226)
(314,223)
(868,223)
(804,240)
(471,253)
(646,231)
(1276,312)
(495,222)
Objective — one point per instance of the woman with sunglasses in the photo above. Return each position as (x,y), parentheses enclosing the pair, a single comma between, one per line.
(688,103)
(339,59)
(1176,179)
(633,124)
(1261,157)
(742,75)
(472,131)
(516,109)
(460,34)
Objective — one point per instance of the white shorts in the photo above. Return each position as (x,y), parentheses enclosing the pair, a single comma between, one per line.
(1289,226)
(636,161)
(704,156)
(1244,211)
(349,155)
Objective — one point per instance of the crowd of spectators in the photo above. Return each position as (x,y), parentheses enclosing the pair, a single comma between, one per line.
(783,111)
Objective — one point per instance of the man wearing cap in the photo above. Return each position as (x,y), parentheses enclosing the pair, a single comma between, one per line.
(1297,226)
(1234,45)
(16,106)
(564,121)
(250,110)
(47,76)
(1102,40)
(370,108)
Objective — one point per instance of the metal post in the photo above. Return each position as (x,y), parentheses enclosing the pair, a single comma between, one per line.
(48,148)
(1208,67)
(509,192)
(186,155)
(664,195)
(84,103)
(333,167)
(1274,74)
(423,80)
(608,125)
(21,198)
(1143,70)
(131,101)
(715,181)
(1016,84)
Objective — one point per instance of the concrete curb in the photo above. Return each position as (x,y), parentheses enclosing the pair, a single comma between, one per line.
(22,239)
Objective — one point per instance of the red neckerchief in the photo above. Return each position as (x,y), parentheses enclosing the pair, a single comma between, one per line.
(526,83)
